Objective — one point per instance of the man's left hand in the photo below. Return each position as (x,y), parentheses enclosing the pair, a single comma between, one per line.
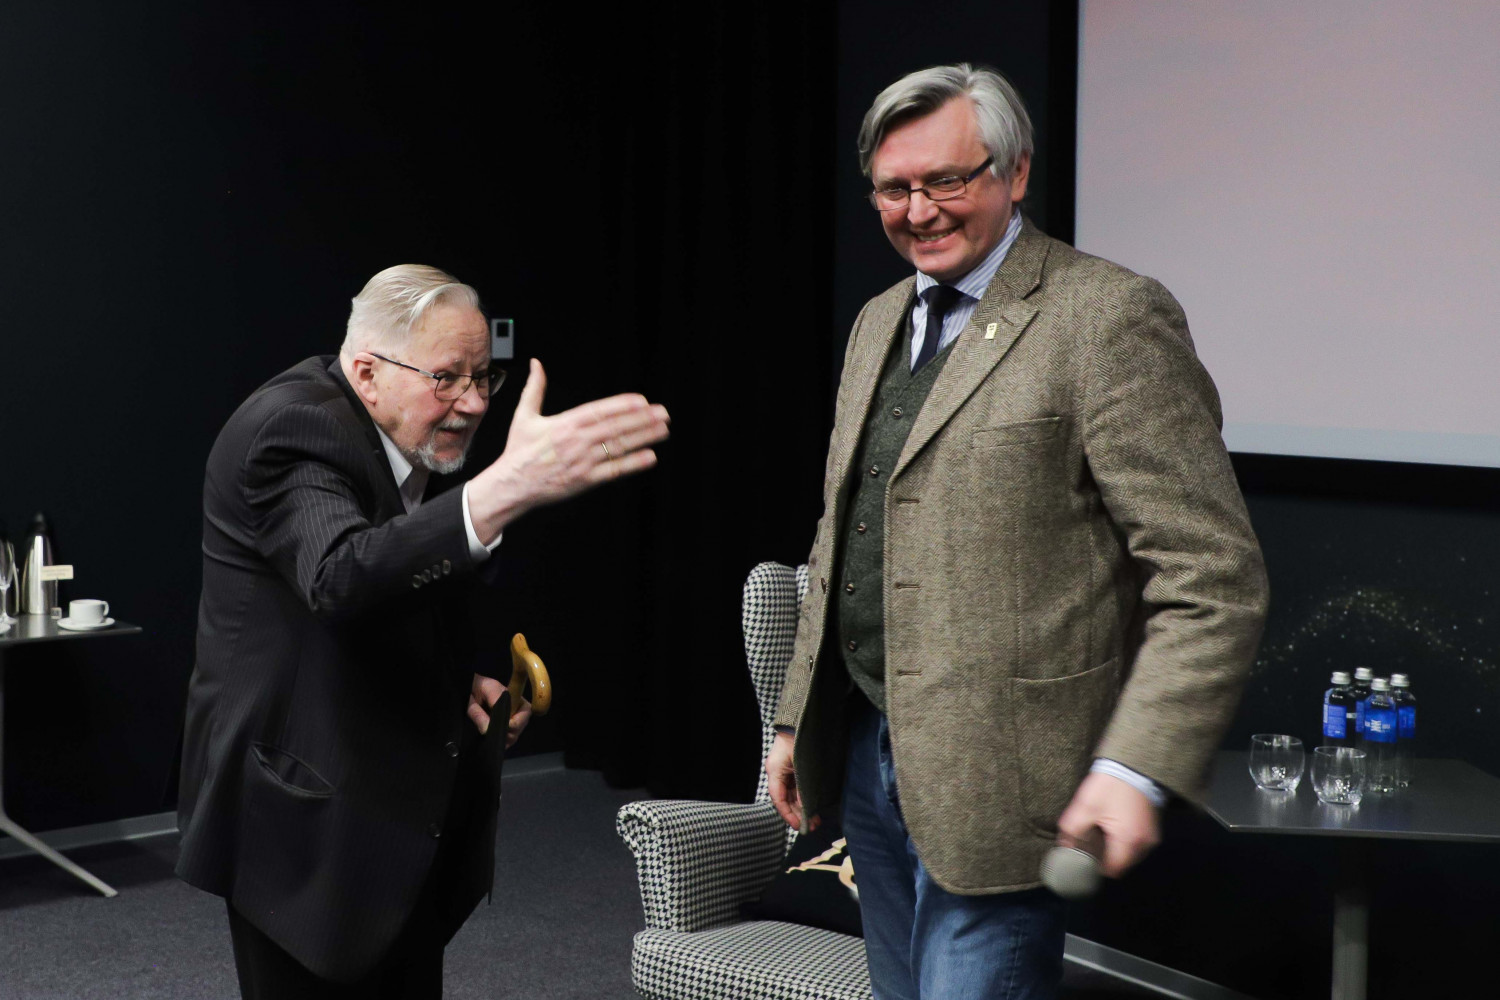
(1125,817)
(486,692)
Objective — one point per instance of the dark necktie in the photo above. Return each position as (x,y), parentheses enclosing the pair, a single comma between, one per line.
(940,298)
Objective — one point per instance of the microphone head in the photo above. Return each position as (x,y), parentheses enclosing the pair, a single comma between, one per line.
(1070,872)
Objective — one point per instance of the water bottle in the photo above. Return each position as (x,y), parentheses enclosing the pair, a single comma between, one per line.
(1406,727)
(1362,676)
(1380,738)
(1338,712)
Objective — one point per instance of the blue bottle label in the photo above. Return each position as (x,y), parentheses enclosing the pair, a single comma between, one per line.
(1380,726)
(1359,715)
(1335,722)
(1408,723)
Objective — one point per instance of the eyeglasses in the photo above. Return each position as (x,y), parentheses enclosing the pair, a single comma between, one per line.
(450,387)
(888,199)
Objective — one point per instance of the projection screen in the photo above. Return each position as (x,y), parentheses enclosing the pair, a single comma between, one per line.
(1319,185)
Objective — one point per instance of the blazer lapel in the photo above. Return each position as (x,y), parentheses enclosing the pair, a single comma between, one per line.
(383,479)
(879,330)
(1001,316)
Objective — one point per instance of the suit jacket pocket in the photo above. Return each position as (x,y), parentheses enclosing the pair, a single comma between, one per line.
(288,836)
(1021,432)
(291,772)
(1058,722)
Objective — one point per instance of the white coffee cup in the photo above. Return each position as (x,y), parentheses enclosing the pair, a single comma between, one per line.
(87,612)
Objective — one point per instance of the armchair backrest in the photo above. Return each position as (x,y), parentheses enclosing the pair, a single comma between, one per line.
(769,619)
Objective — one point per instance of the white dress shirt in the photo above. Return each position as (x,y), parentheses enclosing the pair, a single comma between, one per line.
(412,481)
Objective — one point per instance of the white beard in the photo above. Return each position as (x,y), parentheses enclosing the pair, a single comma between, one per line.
(426,453)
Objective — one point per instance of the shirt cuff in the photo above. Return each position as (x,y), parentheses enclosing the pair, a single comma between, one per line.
(477,549)
(788,730)
(1154,792)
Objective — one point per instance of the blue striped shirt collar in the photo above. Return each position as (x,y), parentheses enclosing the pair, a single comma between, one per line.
(976,281)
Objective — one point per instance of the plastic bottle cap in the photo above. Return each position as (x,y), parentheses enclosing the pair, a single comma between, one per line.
(1363,673)
(1340,677)
(1400,681)
(1380,684)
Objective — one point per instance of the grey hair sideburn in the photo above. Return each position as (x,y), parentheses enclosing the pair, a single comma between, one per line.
(1004,125)
(394,302)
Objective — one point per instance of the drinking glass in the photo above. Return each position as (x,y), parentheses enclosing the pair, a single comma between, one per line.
(1276,762)
(1338,775)
(7,577)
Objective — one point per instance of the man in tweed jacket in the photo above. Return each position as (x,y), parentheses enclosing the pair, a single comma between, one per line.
(333,790)
(1035,592)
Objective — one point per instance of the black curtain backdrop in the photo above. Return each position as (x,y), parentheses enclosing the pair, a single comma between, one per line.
(190,197)
(721,234)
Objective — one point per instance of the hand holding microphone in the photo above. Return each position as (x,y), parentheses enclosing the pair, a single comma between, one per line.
(1106,829)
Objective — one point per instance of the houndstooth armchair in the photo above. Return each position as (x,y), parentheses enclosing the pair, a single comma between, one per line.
(698,861)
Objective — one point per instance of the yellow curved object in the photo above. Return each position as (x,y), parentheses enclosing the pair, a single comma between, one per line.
(527,668)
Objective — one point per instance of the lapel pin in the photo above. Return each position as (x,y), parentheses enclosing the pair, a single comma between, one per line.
(989,331)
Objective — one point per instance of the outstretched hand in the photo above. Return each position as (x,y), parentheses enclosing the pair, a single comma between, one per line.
(547,459)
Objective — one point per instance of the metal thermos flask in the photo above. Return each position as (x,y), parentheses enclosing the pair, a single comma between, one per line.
(38,596)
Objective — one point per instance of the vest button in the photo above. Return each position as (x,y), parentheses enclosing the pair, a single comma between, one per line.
(853,645)
(874,470)
(896,412)
(861,527)
(434,831)
(848,588)
(452,749)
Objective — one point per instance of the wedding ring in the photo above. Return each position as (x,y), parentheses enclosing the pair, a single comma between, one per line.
(607,456)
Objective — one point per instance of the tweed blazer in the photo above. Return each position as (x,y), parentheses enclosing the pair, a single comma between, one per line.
(1069,569)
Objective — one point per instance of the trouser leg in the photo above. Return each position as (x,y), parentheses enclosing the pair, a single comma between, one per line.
(413,970)
(923,942)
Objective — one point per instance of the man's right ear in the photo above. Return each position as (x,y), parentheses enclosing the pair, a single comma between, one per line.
(360,370)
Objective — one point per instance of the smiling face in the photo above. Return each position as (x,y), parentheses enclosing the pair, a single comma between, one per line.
(430,432)
(945,239)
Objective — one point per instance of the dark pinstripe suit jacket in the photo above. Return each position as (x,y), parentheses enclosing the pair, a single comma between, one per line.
(333,669)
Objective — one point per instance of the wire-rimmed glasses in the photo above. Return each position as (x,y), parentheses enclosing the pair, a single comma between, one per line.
(449,386)
(888,199)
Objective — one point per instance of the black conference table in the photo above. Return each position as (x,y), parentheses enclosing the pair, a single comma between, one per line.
(24,630)
(1448,801)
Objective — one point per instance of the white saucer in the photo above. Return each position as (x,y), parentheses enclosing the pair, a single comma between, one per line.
(70,624)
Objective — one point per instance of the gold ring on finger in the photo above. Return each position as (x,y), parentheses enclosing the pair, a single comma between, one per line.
(607,456)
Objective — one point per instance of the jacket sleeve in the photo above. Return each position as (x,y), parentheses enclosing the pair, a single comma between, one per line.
(1151,436)
(304,480)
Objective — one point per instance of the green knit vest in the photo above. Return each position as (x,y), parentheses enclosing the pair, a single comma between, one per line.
(858,585)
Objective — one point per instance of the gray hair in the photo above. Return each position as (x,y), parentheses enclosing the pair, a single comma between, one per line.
(1004,125)
(394,302)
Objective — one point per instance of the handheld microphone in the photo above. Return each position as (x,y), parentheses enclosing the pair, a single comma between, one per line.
(1073,872)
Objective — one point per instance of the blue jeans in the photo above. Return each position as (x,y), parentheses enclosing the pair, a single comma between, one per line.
(922,941)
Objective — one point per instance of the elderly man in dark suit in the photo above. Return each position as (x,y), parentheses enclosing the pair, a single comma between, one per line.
(332,788)
(1036,593)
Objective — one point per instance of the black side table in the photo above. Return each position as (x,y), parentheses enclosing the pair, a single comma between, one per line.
(41,628)
(1448,800)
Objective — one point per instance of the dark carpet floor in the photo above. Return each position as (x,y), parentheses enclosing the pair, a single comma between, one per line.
(560,929)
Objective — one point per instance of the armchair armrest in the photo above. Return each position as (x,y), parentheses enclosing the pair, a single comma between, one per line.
(698,861)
